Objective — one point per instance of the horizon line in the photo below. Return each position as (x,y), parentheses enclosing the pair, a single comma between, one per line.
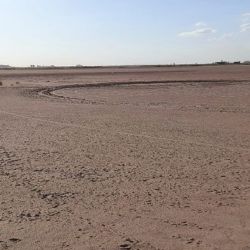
(32,66)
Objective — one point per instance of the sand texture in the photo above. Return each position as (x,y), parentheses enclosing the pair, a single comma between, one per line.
(125,158)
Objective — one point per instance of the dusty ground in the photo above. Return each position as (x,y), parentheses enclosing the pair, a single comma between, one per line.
(136,165)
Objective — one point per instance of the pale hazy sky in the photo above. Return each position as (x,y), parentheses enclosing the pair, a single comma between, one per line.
(111,32)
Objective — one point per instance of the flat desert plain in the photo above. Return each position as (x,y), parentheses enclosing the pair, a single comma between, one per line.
(139,158)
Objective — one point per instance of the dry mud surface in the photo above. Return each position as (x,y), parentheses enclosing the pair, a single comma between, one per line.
(125,158)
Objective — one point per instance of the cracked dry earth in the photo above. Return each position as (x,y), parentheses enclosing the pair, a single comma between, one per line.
(159,165)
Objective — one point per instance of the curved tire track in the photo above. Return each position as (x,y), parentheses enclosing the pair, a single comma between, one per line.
(49,91)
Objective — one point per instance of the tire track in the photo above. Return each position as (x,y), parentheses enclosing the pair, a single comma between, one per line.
(49,91)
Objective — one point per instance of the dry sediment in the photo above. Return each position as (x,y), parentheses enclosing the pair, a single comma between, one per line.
(125,159)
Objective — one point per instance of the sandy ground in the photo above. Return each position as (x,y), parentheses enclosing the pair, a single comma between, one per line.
(159,161)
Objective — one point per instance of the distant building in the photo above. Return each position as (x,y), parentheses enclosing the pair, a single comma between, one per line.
(4,66)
